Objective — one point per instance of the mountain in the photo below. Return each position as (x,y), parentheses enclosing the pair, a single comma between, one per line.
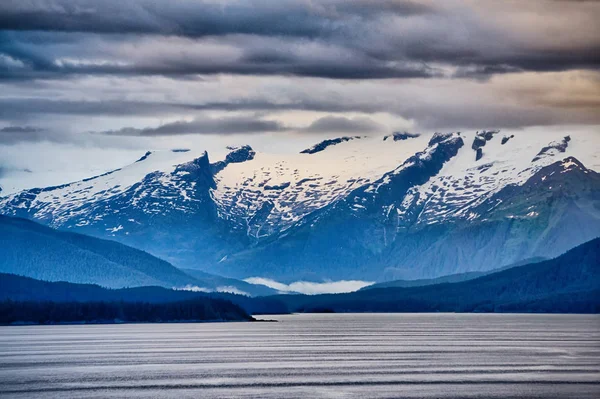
(452,278)
(440,212)
(569,283)
(37,251)
(403,206)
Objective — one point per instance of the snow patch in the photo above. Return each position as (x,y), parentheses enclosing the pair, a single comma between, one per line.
(115,229)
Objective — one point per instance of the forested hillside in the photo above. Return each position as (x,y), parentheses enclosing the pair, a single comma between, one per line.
(569,283)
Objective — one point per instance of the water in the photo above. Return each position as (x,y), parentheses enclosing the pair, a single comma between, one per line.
(310,356)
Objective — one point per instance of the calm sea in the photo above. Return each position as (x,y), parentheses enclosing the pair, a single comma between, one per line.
(310,356)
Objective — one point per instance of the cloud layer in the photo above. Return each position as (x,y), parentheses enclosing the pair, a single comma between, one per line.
(150,68)
(311,288)
(224,125)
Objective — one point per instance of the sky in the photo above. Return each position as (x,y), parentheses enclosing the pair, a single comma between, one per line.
(87,86)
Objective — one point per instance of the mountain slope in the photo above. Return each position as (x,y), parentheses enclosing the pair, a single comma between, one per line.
(37,251)
(376,243)
(568,283)
(452,278)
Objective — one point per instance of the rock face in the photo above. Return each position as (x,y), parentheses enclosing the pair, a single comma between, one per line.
(237,155)
(506,138)
(372,209)
(481,138)
(553,148)
(399,136)
(326,143)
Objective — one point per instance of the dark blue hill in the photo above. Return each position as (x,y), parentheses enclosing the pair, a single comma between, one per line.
(569,283)
(25,289)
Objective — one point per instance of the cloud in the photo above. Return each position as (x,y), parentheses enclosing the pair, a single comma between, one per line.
(226,288)
(231,290)
(16,107)
(224,125)
(340,124)
(193,288)
(458,64)
(311,288)
(27,58)
(505,101)
(334,39)
(15,134)
(196,18)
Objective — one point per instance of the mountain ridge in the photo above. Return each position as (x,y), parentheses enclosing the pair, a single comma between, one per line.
(369,208)
(33,250)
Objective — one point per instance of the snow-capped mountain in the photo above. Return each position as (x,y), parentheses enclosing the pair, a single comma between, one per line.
(400,206)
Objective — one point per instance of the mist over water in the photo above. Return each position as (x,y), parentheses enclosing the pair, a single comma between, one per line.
(317,356)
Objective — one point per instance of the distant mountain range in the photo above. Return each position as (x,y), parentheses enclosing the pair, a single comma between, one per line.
(569,283)
(404,206)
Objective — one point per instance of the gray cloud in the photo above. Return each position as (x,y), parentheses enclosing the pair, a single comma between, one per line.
(513,100)
(43,55)
(224,125)
(88,65)
(197,18)
(340,124)
(15,134)
(330,39)
(21,59)
(17,108)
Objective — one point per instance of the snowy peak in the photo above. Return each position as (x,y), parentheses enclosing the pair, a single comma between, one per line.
(463,183)
(571,163)
(265,194)
(389,196)
(564,181)
(285,189)
(566,172)
(553,148)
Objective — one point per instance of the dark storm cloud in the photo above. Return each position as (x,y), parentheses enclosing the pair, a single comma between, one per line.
(297,20)
(18,108)
(224,125)
(446,63)
(12,108)
(193,18)
(330,39)
(340,124)
(23,60)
